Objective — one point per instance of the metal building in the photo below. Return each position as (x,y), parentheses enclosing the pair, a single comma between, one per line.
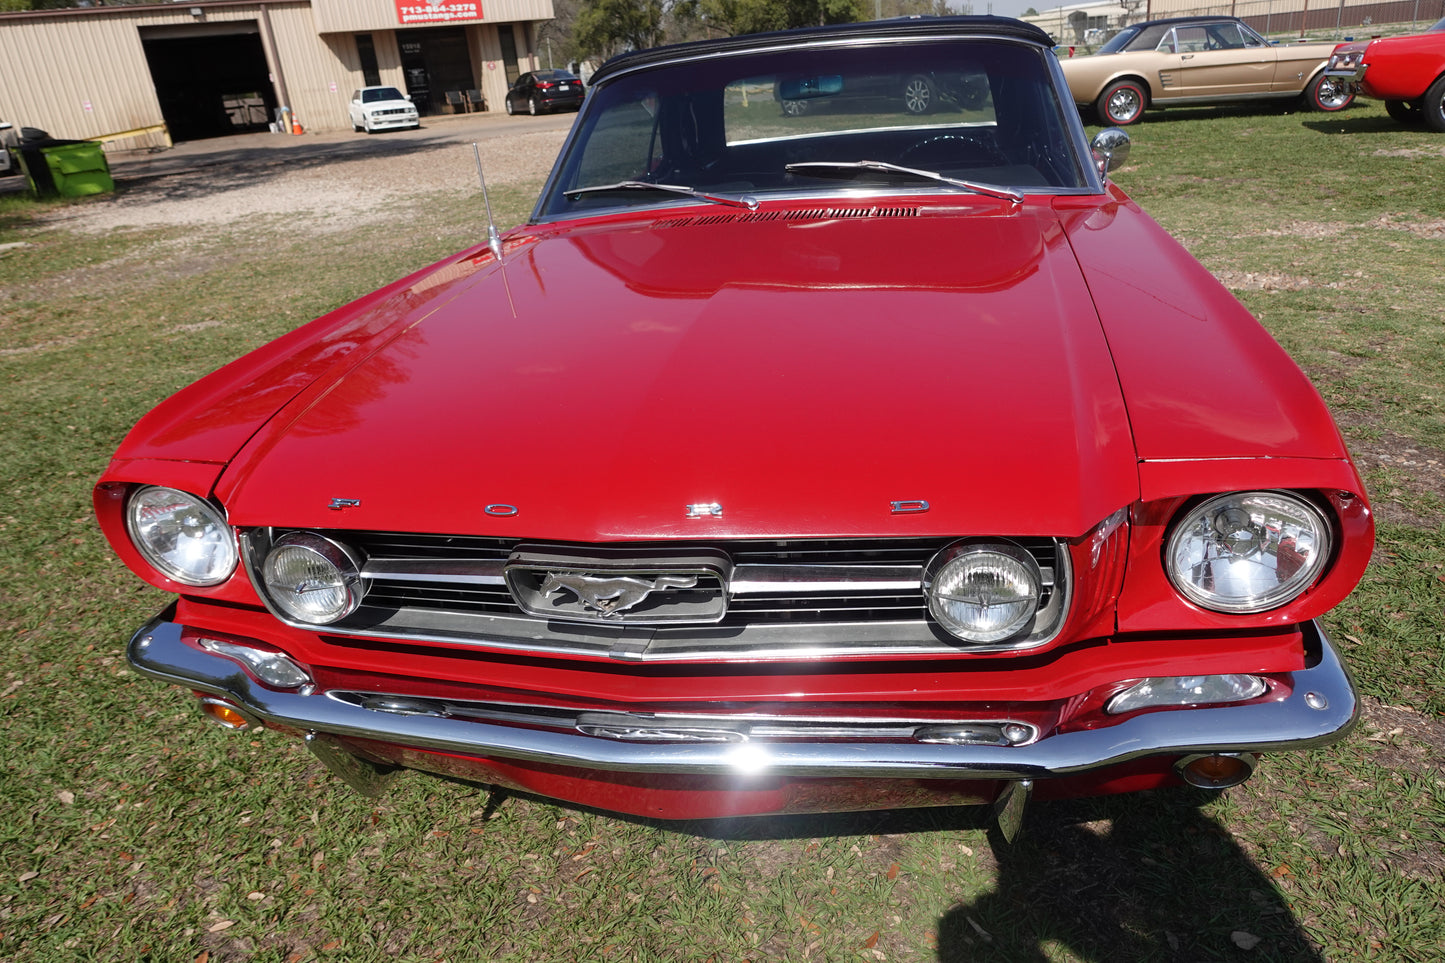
(145,76)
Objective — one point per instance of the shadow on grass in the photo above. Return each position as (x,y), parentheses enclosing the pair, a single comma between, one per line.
(197,172)
(1181,115)
(1367,124)
(1142,876)
(1147,876)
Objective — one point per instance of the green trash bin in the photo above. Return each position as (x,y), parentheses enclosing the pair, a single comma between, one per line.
(78,168)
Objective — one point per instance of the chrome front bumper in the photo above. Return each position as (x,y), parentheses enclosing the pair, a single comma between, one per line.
(1321,709)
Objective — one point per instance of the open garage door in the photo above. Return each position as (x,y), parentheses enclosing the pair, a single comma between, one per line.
(211,79)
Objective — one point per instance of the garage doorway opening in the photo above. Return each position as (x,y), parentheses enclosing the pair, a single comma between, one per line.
(211,84)
(434,61)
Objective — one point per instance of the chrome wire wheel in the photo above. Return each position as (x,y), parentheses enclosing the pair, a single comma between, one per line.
(1332,93)
(1122,103)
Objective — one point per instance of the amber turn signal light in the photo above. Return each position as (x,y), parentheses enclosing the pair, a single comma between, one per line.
(223,714)
(1218,771)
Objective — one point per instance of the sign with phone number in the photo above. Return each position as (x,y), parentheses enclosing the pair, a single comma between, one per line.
(437,11)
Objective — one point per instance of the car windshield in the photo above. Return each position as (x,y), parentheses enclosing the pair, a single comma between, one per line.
(376,94)
(801,120)
(1437,27)
(553,75)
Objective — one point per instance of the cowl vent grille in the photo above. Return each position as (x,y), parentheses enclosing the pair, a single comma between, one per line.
(810,214)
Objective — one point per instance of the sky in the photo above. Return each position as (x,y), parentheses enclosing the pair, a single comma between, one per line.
(1009,8)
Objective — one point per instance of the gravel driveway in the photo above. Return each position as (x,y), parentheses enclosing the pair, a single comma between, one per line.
(316,182)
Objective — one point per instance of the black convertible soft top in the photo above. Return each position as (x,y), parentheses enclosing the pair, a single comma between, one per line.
(901,27)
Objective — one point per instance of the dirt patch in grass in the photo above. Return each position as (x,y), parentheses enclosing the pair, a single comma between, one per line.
(1268,281)
(1415,471)
(1315,230)
(1405,739)
(1410,152)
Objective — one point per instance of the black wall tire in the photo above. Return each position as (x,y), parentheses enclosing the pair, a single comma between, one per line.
(1432,108)
(1122,103)
(1405,111)
(1329,94)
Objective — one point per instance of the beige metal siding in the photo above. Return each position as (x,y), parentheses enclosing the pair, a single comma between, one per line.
(487,52)
(83,74)
(318,81)
(79,79)
(366,15)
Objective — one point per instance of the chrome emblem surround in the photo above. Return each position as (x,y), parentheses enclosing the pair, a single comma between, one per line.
(704,510)
(619,587)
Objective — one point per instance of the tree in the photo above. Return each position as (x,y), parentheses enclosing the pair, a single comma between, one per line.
(558,36)
(1030,12)
(607,27)
(758,16)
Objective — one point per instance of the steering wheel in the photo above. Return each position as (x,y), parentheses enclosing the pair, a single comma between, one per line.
(953,150)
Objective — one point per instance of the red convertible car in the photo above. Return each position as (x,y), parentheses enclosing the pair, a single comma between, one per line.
(843,459)
(1407,73)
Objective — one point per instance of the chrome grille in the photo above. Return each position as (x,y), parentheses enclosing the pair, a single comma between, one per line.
(787,598)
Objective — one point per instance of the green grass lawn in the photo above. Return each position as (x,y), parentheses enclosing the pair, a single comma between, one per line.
(129,831)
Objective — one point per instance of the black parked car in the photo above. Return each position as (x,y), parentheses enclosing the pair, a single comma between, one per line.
(916,93)
(545,90)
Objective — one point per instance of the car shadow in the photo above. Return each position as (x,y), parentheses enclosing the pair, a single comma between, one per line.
(1368,124)
(1144,876)
(1183,115)
(1141,876)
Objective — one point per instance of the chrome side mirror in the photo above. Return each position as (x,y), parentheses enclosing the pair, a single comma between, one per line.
(1110,148)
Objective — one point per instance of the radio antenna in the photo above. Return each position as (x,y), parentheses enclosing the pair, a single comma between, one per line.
(494,238)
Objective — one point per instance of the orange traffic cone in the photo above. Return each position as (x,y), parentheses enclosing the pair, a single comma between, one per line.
(296,125)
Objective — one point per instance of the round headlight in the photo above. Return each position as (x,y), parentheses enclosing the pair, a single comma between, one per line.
(983,592)
(1248,551)
(183,537)
(313,579)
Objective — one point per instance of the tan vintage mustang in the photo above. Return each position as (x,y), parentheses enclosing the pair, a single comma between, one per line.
(1193,61)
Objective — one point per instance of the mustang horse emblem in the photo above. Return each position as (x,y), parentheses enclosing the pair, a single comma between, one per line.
(611,595)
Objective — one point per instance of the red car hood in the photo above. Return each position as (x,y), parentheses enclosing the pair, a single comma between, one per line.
(803,372)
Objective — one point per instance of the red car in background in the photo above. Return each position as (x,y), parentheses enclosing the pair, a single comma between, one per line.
(1407,73)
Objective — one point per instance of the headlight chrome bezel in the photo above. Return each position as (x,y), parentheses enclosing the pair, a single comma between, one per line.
(972,552)
(343,561)
(1254,540)
(224,552)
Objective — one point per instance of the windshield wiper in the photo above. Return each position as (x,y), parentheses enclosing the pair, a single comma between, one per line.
(749,203)
(850,168)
